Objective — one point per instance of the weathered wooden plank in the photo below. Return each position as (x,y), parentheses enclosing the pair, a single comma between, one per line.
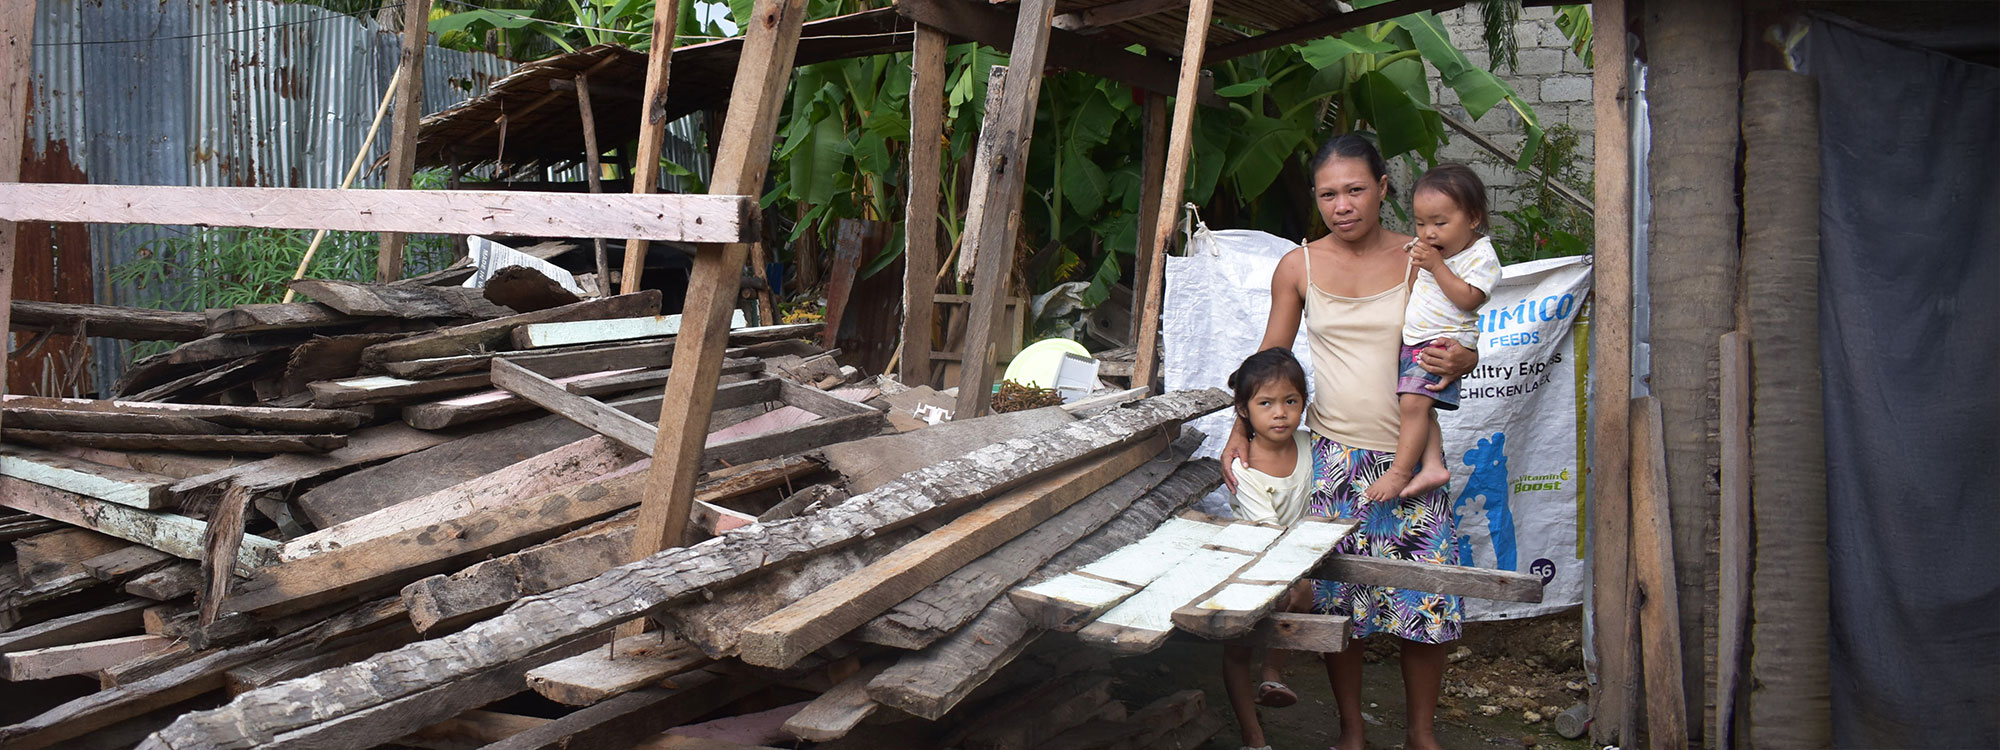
(1298,631)
(399,300)
(1653,569)
(78,658)
(622,720)
(599,674)
(931,682)
(443,601)
(215,443)
(1180,150)
(168,583)
(107,321)
(173,534)
(645,587)
(124,563)
(1607,480)
(1143,621)
(252,417)
(122,618)
(385,389)
(627,430)
(920,235)
(669,217)
(81,717)
(277,316)
(491,335)
(110,483)
(1071,601)
(367,445)
(57,554)
(577,462)
(944,606)
(1237,605)
(1484,583)
(539,335)
(786,636)
(838,711)
(87,421)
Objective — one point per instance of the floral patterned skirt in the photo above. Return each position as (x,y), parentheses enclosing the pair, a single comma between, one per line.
(1423,529)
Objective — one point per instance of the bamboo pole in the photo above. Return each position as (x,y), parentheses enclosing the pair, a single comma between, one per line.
(353,170)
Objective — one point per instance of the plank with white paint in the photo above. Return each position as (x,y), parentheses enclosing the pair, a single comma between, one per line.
(1235,607)
(539,335)
(668,217)
(1070,601)
(171,533)
(1143,621)
(119,485)
(78,658)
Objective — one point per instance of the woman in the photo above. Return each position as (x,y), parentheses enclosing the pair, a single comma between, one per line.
(1350,287)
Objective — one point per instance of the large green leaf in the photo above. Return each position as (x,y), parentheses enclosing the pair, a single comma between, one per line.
(1245,88)
(1084,183)
(871,154)
(1397,119)
(1257,160)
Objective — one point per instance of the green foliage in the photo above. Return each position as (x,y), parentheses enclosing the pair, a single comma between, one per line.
(1575,23)
(1545,225)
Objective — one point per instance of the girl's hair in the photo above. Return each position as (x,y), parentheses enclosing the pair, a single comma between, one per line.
(1350,146)
(1459,183)
(1275,363)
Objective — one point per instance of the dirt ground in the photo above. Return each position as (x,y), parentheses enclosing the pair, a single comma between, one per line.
(1503,688)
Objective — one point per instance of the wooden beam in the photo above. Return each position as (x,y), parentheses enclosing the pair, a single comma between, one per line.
(78,658)
(1328,26)
(786,636)
(1653,567)
(408,301)
(106,321)
(653,133)
(252,417)
(920,223)
(1483,583)
(600,674)
(147,441)
(173,534)
(1180,149)
(1152,182)
(593,169)
(1296,631)
(137,489)
(17,39)
(654,584)
(763,68)
(387,389)
(678,218)
(626,429)
(403,127)
(1606,479)
(1000,173)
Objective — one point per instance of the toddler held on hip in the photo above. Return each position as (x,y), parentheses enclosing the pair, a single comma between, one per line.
(1455,270)
(1274,485)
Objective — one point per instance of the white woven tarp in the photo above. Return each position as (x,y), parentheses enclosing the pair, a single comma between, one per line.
(1514,446)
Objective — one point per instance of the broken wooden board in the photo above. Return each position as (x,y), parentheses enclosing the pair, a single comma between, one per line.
(366,445)
(527,289)
(483,589)
(931,682)
(943,607)
(122,618)
(137,489)
(124,563)
(166,584)
(786,636)
(1235,606)
(206,443)
(173,534)
(539,335)
(400,301)
(838,711)
(251,417)
(57,554)
(439,666)
(77,658)
(492,335)
(600,674)
(1071,601)
(870,462)
(575,463)
(326,358)
(22,417)
(387,389)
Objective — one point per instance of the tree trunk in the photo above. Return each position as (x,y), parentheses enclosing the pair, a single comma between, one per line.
(1692,278)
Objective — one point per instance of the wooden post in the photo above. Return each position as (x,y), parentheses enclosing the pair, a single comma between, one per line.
(1667,726)
(990,225)
(17,38)
(1152,178)
(920,225)
(403,129)
(594,173)
(653,133)
(769,49)
(1611,378)
(1180,145)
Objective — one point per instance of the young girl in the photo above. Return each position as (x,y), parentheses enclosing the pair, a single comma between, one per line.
(1456,269)
(1274,486)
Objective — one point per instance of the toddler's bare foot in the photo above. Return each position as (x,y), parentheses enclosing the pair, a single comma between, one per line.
(1385,488)
(1430,478)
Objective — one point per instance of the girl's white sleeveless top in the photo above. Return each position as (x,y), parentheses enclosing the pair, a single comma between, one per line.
(1263,498)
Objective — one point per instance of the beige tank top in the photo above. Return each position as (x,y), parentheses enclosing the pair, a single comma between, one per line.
(1355,342)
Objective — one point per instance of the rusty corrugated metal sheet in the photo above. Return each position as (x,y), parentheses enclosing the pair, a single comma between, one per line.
(210,92)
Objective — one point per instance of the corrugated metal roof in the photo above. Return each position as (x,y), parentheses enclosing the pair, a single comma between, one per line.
(214,92)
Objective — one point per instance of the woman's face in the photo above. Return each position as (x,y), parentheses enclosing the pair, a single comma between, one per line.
(1349,196)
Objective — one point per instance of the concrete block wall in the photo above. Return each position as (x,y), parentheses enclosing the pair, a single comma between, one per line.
(1550,78)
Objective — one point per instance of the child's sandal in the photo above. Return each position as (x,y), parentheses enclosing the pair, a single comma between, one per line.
(1274,694)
